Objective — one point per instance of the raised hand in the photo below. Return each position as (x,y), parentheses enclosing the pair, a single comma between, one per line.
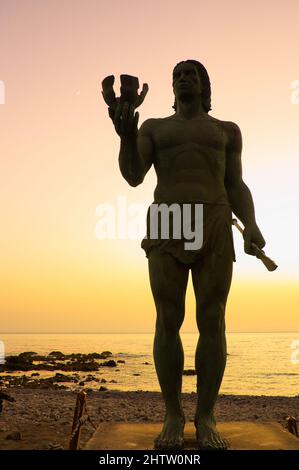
(122,109)
(125,119)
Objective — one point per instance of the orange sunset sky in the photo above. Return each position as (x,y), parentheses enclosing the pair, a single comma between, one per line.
(59,153)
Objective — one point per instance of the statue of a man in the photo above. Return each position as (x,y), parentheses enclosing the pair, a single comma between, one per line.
(197,159)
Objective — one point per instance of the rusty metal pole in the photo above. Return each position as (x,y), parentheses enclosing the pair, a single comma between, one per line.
(76,427)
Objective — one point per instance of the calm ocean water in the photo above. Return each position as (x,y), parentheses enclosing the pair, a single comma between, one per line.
(258,363)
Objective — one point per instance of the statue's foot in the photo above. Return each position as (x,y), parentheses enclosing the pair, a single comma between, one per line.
(207,436)
(172,434)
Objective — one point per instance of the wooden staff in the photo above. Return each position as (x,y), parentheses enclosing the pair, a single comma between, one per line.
(259,253)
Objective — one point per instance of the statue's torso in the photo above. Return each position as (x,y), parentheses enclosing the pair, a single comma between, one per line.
(189,160)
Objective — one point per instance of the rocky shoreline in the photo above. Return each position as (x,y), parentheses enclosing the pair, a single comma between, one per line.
(56,360)
(75,370)
(70,366)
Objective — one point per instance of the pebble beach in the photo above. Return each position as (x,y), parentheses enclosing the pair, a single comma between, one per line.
(40,413)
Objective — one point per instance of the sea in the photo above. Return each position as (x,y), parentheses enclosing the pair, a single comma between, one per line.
(257,363)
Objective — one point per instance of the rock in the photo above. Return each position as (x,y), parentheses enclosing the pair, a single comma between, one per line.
(82,366)
(110,363)
(82,383)
(58,377)
(121,361)
(41,358)
(103,389)
(136,374)
(14,436)
(53,446)
(106,354)
(35,374)
(27,355)
(14,363)
(89,378)
(99,355)
(76,356)
(57,354)
(60,387)
(5,396)
(103,381)
(147,363)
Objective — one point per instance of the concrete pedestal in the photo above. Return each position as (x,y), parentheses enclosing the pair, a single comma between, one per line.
(240,435)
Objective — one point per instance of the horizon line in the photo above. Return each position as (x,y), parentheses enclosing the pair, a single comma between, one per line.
(124,332)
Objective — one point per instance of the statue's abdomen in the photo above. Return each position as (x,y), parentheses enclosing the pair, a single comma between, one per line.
(191,172)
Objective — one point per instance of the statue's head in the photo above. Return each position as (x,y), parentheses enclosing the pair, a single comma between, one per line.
(190,79)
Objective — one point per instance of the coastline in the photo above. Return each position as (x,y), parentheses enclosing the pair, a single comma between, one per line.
(44,417)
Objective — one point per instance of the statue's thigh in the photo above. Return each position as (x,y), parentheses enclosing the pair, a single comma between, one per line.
(168,278)
(211,277)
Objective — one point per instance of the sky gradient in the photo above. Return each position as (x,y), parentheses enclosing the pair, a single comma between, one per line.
(59,154)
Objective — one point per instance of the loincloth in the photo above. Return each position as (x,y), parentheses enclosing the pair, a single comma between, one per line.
(216,237)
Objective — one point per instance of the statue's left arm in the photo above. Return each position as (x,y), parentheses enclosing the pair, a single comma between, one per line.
(239,195)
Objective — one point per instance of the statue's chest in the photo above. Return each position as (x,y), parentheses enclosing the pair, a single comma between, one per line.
(203,133)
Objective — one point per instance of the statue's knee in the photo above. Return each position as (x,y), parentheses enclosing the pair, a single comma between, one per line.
(169,319)
(211,319)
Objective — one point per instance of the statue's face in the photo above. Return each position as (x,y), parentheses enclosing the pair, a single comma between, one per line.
(186,81)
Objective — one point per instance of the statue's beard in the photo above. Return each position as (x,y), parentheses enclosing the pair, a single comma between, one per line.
(186,97)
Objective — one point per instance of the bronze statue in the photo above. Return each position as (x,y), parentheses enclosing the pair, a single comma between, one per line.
(197,159)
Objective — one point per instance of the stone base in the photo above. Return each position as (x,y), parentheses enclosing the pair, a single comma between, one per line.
(240,435)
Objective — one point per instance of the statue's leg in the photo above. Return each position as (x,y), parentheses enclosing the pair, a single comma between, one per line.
(168,279)
(211,276)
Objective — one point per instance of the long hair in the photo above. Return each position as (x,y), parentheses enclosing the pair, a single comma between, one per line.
(205,82)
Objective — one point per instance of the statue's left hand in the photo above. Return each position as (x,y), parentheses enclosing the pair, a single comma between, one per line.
(252,234)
